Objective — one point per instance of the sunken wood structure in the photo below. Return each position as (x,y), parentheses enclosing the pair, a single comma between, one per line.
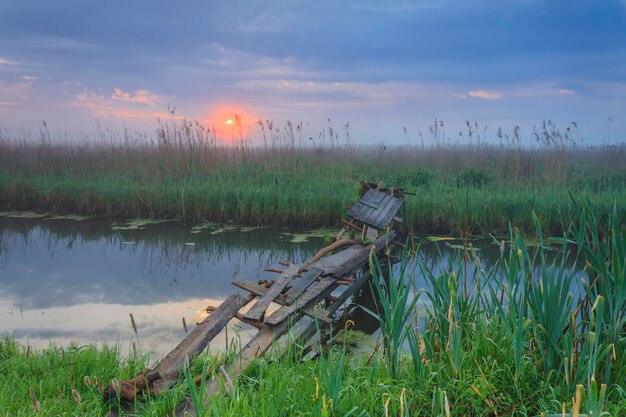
(317,288)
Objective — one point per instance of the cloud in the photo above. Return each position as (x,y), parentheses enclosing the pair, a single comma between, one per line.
(486,95)
(566,91)
(6,62)
(141,96)
(28,78)
(143,105)
(482,94)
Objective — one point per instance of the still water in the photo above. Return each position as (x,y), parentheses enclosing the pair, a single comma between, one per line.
(77,281)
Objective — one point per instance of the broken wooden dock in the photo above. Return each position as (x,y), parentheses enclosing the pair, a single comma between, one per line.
(315,289)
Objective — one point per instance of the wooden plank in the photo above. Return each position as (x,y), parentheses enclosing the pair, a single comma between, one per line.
(170,367)
(372,197)
(255,348)
(257,311)
(354,211)
(386,216)
(167,371)
(251,287)
(371,219)
(347,261)
(259,290)
(302,284)
(311,328)
(316,293)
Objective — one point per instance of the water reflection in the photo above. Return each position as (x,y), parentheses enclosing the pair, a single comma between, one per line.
(79,281)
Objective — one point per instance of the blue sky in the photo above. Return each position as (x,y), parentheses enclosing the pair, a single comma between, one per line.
(382,66)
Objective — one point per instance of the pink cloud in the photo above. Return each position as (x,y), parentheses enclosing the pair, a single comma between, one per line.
(141,96)
(122,104)
(566,91)
(485,95)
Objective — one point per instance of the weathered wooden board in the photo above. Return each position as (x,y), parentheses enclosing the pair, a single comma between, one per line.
(387,213)
(257,311)
(347,261)
(170,367)
(376,209)
(259,290)
(314,294)
(301,284)
(311,328)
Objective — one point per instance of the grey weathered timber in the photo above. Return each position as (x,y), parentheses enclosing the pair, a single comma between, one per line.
(259,290)
(314,294)
(302,283)
(347,261)
(376,209)
(255,348)
(257,311)
(311,328)
(170,367)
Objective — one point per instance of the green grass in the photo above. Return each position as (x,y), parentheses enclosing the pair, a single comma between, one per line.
(59,381)
(185,172)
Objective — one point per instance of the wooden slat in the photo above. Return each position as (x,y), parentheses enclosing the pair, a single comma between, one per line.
(301,284)
(259,290)
(316,293)
(347,261)
(311,328)
(385,219)
(167,371)
(258,309)
(371,219)
(375,196)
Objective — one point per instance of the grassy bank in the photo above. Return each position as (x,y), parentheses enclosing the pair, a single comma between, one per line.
(524,337)
(185,172)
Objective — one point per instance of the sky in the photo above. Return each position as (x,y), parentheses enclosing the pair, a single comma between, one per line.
(389,69)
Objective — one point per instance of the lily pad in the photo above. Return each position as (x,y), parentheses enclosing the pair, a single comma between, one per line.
(461,247)
(23,214)
(226,228)
(136,224)
(305,236)
(75,217)
(246,229)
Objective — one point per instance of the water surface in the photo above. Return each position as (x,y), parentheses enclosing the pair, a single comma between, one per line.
(67,281)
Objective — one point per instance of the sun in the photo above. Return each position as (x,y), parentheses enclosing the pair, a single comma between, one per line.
(229,122)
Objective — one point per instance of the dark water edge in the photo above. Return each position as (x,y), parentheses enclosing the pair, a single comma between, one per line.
(65,281)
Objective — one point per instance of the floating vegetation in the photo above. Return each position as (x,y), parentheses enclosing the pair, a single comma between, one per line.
(136,224)
(224,228)
(13,214)
(205,226)
(470,247)
(74,217)
(303,237)
(246,229)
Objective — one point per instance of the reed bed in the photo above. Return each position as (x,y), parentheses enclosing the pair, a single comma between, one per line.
(188,172)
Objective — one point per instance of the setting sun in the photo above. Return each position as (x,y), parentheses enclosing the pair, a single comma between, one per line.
(229,122)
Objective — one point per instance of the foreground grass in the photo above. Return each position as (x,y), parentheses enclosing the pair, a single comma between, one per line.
(55,383)
(186,173)
(59,381)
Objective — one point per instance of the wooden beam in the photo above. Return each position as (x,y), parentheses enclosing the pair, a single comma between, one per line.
(301,284)
(257,311)
(316,293)
(171,365)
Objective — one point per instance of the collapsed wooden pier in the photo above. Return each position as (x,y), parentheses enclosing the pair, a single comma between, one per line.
(316,289)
